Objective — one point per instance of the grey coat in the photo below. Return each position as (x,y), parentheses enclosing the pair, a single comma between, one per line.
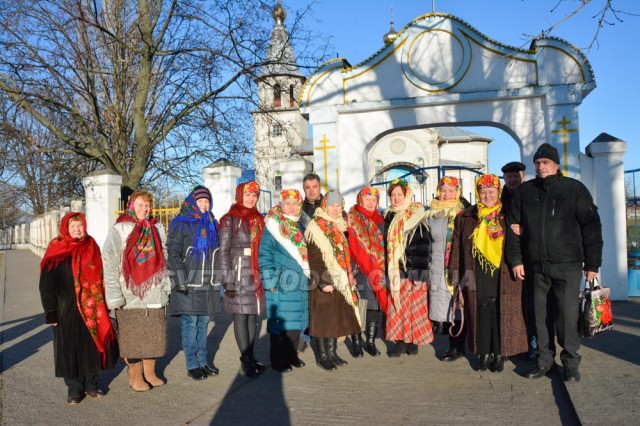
(235,267)
(439,295)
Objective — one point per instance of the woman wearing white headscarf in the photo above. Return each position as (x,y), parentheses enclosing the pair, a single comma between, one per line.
(408,245)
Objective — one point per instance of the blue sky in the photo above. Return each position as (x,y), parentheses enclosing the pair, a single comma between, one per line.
(356,28)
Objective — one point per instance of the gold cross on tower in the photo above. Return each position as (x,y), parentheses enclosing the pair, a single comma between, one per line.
(565,140)
(324,148)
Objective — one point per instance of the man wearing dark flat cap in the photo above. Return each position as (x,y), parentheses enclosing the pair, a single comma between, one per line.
(560,239)
(513,175)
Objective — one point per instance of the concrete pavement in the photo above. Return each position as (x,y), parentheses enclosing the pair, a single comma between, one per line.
(408,390)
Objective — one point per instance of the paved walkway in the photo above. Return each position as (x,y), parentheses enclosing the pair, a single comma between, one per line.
(409,390)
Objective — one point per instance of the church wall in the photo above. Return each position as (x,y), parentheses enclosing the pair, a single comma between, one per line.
(360,131)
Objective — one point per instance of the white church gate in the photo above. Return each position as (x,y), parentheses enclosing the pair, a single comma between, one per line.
(440,71)
(422,193)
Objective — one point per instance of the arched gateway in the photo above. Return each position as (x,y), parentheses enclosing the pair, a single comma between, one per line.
(440,71)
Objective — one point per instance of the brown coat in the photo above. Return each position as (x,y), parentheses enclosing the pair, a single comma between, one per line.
(513,334)
(330,315)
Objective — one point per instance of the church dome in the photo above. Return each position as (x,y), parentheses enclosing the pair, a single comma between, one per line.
(391,35)
(278,13)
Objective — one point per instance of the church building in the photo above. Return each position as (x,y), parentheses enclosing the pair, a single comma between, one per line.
(281,133)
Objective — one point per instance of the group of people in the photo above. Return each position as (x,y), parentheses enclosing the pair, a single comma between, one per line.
(317,271)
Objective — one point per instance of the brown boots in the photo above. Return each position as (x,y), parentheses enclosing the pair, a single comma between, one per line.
(140,380)
(150,373)
(136,380)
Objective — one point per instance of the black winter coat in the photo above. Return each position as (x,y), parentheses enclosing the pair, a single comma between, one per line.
(559,224)
(417,251)
(235,267)
(74,352)
(203,286)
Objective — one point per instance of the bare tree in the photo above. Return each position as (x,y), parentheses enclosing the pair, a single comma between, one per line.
(144,87)
(38,173)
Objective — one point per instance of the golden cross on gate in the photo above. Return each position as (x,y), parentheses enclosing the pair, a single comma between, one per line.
(324,148)
(565,136)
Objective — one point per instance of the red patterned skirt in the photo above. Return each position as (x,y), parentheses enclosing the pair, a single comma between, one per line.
(411,322)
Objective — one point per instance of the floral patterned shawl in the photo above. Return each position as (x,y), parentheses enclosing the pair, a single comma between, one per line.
(86,267)
(366,244)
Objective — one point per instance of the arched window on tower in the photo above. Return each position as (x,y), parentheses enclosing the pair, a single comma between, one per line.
(292,98)
(277,177)
(277,95)
(377,166)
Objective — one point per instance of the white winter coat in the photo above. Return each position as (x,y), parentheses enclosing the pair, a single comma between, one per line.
(116,292)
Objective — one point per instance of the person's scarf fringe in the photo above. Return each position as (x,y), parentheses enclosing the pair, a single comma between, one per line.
(488,237)
(143,263)
(341,278)
(402,228)
(86,267)
(204,227)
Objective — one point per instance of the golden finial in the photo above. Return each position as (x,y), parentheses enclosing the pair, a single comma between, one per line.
(392,34)
(279,14)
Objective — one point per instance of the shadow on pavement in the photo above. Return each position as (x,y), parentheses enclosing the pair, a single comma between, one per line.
(255,401)
(25,325)
(616,343)
(25,348)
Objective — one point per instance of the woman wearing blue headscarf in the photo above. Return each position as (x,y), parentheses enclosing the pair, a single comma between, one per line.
(191,244)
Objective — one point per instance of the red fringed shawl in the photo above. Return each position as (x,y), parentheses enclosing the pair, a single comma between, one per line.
(86,267)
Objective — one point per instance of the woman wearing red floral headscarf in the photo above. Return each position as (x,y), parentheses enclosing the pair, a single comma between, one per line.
(493,304)
(408,245)
(441,217)
(240,233)
(72,294)
(138,287)
(366,245)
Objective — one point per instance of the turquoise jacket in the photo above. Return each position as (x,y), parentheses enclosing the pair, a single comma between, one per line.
(285,284)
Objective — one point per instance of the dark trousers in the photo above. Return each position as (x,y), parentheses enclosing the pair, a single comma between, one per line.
(459,341)
(487,333)
(77,386)
(284,348)
(529,311)
(530,318)
(556,289)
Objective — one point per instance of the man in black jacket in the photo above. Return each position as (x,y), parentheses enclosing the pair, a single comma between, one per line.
(559,238)
(312,197)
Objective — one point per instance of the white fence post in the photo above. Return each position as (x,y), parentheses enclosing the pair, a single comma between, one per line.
(221,178)
(607,152)
(102,192)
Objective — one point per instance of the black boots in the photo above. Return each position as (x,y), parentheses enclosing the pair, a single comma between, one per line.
(356,346)
(324,359)
(398,349)
(412,349)
(333,346)
(483,362)
(370,335)
(452,354)
(497,364)
(246,361)
(257,365)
